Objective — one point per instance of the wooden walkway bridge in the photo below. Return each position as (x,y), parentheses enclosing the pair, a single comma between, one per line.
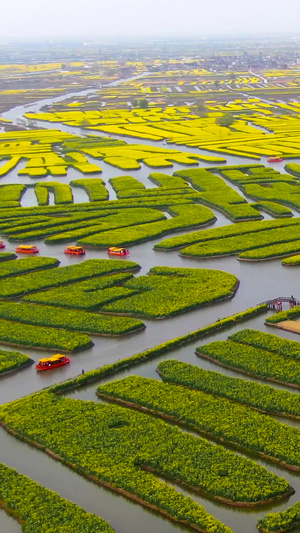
(276,303)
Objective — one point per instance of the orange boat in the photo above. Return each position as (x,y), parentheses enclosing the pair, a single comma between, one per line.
(74,250)
(117,251)
(275,159)
(24,249)
(2,245)
(48,363)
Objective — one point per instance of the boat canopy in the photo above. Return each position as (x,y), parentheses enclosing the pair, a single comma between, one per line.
(52,359)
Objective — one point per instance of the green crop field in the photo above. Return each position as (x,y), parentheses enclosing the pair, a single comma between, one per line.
(141,146)
(261,397)
(35,281)
(259,354)
(218,418)
(13,361)
(169,291)
(89,294)
(281,521)
(39,509)
(122,454)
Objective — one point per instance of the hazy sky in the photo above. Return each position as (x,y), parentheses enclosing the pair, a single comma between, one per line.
(129,18)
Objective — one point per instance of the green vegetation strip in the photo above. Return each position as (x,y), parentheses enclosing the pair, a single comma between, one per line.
(293,168)
(267,341)
(43,315)
(271,252)
(247,167)
(162,191)
(126,218)
(281,192)
(214,192)
(15,334)
(46,229)
(257,175)
(281,521)
(151,353)
(7,256)
(251,360)
(89,294)
(126,183)
(294,312)
(164,180)
(243,228)
(62,276)
(62,192)
(218,418)
(10,195)
(127,450)
(40,510)
(184,217)
(261,397)
(28,264)
(94,187)
(32,225)
(168,291)
(292,261)
(12,361)
(161,202)
(274,209)
(82,226)
(258,245)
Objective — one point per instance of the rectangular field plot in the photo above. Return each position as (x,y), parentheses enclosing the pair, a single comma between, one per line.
(219,418)
(259,354)
(122,456)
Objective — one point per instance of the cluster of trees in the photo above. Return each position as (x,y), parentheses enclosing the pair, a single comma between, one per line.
(200,109)
(142,103)
(225,120)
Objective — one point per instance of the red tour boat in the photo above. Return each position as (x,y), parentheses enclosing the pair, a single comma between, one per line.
(275,159)
(74,250)
(48,363)
(117,251)
(24,249)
